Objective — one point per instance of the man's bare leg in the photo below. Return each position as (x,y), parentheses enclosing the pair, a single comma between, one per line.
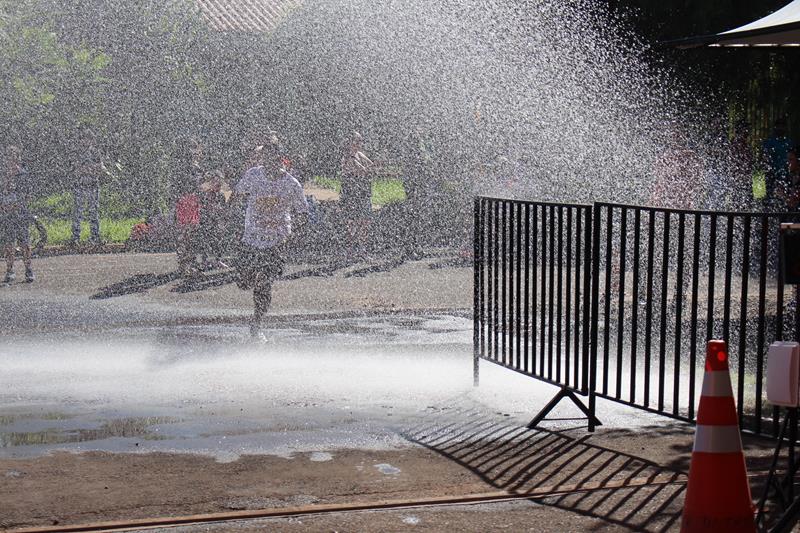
(26,259)
(262,299)
(8,251)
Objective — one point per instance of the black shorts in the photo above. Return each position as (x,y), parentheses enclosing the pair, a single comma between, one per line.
(15,229)
(252,261)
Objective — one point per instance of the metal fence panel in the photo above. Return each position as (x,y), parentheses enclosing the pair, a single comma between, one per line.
(531,283)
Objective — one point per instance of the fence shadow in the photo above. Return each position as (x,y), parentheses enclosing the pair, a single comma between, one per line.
(202,282)
(136,284)
(616,487)
(140,283)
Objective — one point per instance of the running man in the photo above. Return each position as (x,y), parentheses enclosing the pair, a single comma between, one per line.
(275,206)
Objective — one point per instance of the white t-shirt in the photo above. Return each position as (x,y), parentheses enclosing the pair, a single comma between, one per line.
(270,206)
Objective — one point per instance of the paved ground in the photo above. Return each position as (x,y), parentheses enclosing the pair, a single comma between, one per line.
(129,393)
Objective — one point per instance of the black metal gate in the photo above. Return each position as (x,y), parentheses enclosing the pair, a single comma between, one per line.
(532,282)
(615,301)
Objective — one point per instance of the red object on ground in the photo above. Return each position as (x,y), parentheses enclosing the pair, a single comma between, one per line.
(139,231)
(187,210)
(718,494)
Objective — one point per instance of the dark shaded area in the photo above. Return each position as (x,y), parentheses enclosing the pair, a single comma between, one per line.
(136,284)
(757,85)
(518,459)
(385,266)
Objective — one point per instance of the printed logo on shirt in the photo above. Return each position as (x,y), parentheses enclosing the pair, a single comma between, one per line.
(266,211)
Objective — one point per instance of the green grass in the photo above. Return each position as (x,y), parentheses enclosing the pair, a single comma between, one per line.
(328,183)
(759,185)
(61,205)
(59,231)
(388,191)
(384,191)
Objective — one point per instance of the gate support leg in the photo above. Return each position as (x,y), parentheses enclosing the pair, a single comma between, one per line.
(565,393)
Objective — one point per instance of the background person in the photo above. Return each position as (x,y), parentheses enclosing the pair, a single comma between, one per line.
(775,162)
(15,219)
(275,200)
(679,178)
(789,195)
(214,196)
(86,190)
(355,202)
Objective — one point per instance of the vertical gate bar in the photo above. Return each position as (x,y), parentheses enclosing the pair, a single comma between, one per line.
(587,359)
(559,290)
(607,298)
(518,328)
(676,374)
(778,319)
(568,300)
(490,294)
(623,241)
(780,296)
(662,339)
(496,280)
(712,260)
(637,235)
(510,317)
(590,347)
(543,310)
(648,321)
(693,319)
(726,303)
(743,321)
(527,302)
(510,288)
(476,290)
(534,274)
(551,291)
(504,283)
(482,247)
(726,310)
(760,328)
(577,324)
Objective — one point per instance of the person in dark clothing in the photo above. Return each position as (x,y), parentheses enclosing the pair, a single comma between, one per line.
(214,195)
(15,218)
(775,162)
(86,189)
(421,188)
(356,195)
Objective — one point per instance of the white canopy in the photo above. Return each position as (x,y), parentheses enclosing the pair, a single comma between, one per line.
(781,28)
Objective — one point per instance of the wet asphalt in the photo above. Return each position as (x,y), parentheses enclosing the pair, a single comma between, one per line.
(142,373)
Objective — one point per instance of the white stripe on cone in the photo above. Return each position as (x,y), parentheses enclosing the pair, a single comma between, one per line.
(717,439)
(717,384)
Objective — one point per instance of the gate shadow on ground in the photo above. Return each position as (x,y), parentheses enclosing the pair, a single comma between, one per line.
(136,284)
(518,459)
(202,281)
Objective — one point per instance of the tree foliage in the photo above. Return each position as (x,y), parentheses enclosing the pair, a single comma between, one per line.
(755,85)
(129,71)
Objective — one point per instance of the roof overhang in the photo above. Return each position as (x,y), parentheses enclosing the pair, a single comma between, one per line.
(780,29)
(245,16)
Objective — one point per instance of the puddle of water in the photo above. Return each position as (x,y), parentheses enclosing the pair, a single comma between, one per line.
(7,420)
(126,428)
(387,469)
(321,457)
(411,520)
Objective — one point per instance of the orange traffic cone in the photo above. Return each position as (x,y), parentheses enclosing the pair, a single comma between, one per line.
(718,494)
